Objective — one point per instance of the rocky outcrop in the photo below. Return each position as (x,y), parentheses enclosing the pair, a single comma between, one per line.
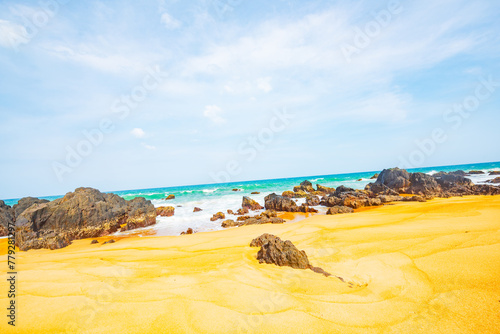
(242,211)
(169,197)
(338,209)
(250,204)
(273,250)
(165,211)
(475,172)
(25,203)
(325,190)
(494,172)
(279,203)
(189,231)
(282,253)
(375,176)
(266,217)
(394,182)
(84,213)
(304,186)
(7,217)
(312,201)
(217,216)
(196,209)
(495,180)
(288,194)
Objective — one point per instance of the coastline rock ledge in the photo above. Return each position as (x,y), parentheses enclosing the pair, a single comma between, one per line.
(84,213)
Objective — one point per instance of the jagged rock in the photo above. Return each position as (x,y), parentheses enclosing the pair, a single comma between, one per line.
(394,178)
(280,203)
(374,176)
(218,215)
(6,218)
(94,242)
(338,209)
(242,211)
(165,211)
(250,204)
(189,231)
(282,253)
(313,201)
(169,197)
(288,193)
(230,212)
(323,189)
(495,180)
(266,217)
(300,194)
(196,209)
(421,183)
(84,213)
(494,172)
(25,203)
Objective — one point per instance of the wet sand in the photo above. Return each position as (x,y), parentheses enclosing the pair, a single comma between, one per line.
(419,267)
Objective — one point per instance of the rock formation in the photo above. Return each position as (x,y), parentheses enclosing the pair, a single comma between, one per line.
(165,211)
(84,213)
(218,215)
(266,217)
(250,204)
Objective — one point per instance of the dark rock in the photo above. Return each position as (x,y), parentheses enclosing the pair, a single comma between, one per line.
(196,209)
(84,213)
(228,223)
(282,253)
(280,203)
(165,211)
(313,201)
(242,211)
(250,204)
(236,189)
(230,212)
(266,217)
(255,193)
(338,209)
(111,241)
(374,176)
(495,180)
(218,215)
(288,193)
(423,184)
(394,178)
(189,231)
(359,180)
(475,172)
(343,189)
(169,197)
(323,189)
(94,242)
(494,172)
(25,203)
(6,218)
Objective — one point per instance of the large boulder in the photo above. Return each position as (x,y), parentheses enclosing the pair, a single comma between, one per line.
(421,183)
(165,211)
(394,178)
(6,218)
(250,204)
(84,213)
(323,189)
(280,203)
(25,203)
(338,209)
(282,253)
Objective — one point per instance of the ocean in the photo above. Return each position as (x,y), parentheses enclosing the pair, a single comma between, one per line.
(212,198)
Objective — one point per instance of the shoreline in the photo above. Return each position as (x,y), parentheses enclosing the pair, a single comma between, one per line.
(428,267)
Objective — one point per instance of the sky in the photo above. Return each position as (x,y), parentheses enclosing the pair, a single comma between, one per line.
(121,95)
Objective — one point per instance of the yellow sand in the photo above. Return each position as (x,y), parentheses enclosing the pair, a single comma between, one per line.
(421,268)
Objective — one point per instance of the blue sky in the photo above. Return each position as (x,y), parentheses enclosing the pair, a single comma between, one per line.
(223,71)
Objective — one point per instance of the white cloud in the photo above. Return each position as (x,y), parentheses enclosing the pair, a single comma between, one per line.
(12,34)
(213,113)
(264,84)
(169,22)
(138,133)
(149,147)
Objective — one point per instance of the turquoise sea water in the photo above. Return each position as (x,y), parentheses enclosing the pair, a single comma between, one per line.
(220,197)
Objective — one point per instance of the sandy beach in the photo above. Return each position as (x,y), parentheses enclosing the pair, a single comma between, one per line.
(417,267)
